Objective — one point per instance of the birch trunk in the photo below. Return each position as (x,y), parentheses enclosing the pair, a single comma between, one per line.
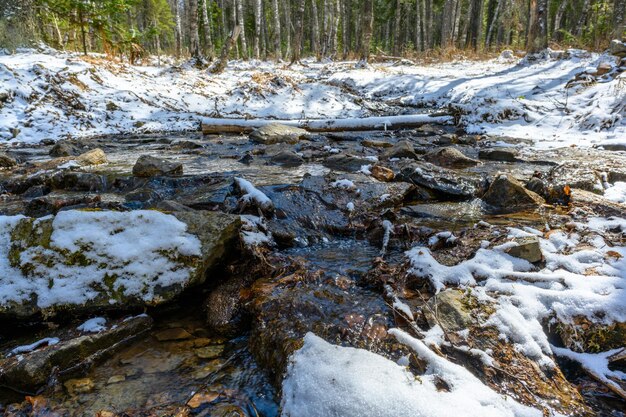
(242,36)
(276,15)
(258,5)
(206,23)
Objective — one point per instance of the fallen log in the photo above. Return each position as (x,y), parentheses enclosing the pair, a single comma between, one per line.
(215,125)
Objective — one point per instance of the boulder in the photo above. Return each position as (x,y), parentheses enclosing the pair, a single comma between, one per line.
(443,181)
(83,261)
(402,149)
(498,154)
(345,162)
(382,173)
(31,370)
(64,148)
(527,248)
(452,313)
(277,133)
(603,68)
(92,157)
(6,161)
(508,194)
(371,143)
(149,166)
(287,159)
(618,48)
(450,157)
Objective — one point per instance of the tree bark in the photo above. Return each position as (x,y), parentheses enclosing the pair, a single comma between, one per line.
(315,35)
(476,24)
(299,31)
(558,16)
(194,39)
(619,19)
(258,5)
(219,66)
(366,30)
(538,27)
(396,28)
(206,23)
(288,26)
(240,20)
(276,14)
(418,24)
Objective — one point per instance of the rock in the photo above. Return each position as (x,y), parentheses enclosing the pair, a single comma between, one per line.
(537,185)
(451,310)
(498,154)
(443,181)
(430,130)
(604,68)
(171,206)
(116,379)
(79,386)
(527,248)
(92,157)
(64,148)
(614,146)
(34,369)
(223,306)
(287,159)
(450,157)
(577,174)
(600,206)
(277,133)
(507,194)
(6,161)
(402,149)
(382,173)
(618,48)
(86,261)
(77,181)
(370,143)
(149,166)
(176,333)
(209,352)
(345,162)
(582,334)
(112,106)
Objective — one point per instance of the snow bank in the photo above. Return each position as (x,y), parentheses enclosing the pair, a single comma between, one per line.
(585,282)
(50,96)
(133,252)
(326,380)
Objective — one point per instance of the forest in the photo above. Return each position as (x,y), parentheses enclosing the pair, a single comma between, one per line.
(326,29)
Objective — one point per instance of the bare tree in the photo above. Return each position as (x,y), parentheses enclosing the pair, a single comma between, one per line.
(366,31)
(194,39)
(299,32)
(538,26)
(242,36)
(206,24)
(619,18)
(258,6)
(276,15)
(315,29)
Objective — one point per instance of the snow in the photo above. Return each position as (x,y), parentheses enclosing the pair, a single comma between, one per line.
(343,184)
(95,325)
(350,206)
(253,194)
(47,341)
(616,192)
(55,95)
(138,247)
(254,231)
(327,380)
(574,282)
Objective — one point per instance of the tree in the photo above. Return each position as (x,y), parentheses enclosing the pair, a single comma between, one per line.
(367,23)
(538,26)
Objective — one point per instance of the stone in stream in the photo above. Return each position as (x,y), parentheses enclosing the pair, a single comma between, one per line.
(287,159)
(450,157)
(65,148)
(277,133)
(92,157)
(345,162)
(402,149)
(33,369)
(6,161)
(150,166)
(498,154)
(371,143)
(382,173)
(443,181)
(527,248)
(507,194)
(617,48)
(85,261)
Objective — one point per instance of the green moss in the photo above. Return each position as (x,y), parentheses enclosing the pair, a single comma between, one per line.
(584,335)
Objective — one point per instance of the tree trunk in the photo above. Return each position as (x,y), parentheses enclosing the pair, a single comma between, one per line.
(558,16)
(219,66)
(240,19)
(446,23)
(583,18)
(194,39)
(366,30)
(493,23)
(288,26)
(396,28)
(315,35)
(428,25)
(418,24)
(276,14)
(299,32)
(619,19)
(258,5)
(206,23)
(538,27)
(476,24)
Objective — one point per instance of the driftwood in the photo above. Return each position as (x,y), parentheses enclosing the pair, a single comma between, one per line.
(219,66)
(214,125)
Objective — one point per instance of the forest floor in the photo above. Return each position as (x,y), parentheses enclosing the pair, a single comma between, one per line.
(555,100)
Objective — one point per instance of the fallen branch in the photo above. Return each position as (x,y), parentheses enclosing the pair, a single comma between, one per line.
(215,125)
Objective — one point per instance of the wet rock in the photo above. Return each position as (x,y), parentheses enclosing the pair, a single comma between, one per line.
(77,181)
(171,206)
(450,158)
(176,333)
(498,154)
(223,306)
(596,204)
(382,173)
(507,194)
(92,157)
(149,166)
(345,162)
(6,161)
(65,148)
(537,185)
(430,130)
(576,174)
(616,147)
(214,231)
(32,370)
(209,352)
(79,386)
(402,149)
(287,159)
(526,248)
(449,309)
(116,379)
(371,143)
(618,48)
(277,133)
(443,181)
(53,202)
(36,191)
